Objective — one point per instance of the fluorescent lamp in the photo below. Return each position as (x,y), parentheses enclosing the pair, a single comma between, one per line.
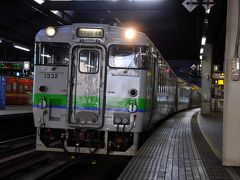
(54,12)
(208,11)
(203,42)
(200,57)
(22,48)
(45,55)
(39,1)
(201,51)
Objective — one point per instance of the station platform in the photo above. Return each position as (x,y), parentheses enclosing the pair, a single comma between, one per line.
(178,150)
(16,109)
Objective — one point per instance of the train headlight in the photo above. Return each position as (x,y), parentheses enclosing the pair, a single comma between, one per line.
(42,103)
(130,34)
(132,107)
(50,31)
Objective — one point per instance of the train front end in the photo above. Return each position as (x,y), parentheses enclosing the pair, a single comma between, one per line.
(87,95)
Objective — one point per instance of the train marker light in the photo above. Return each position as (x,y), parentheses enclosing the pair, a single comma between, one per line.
(42,103)
(50,31)
(132,107)
(130,34)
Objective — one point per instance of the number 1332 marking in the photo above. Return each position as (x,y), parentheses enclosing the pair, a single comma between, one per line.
(51,76)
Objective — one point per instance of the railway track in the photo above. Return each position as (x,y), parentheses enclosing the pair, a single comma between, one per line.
(19,160)
(16,125)
(32,165)
(17,145)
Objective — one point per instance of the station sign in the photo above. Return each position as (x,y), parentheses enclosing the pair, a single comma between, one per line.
(207,4)
(190,5)
(218,82)
(218,75)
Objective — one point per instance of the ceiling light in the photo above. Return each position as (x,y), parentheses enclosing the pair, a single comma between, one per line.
(201,51)
(39,1)
(208,11)
(0,41)
(200,57)
(54,12)
(45,55)
(22,48)
(206,21)
(203,42)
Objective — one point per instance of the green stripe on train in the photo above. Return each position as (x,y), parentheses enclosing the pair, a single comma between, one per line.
(52,99)
(89,101)
(123,102)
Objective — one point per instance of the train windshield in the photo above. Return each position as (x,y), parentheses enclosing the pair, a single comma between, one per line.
(132,57)
(52,54)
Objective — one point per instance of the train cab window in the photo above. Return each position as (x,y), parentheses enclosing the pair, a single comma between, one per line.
(52,54)
(89,60)
(132,57)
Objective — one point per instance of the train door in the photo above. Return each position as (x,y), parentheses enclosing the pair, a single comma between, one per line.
(152,94)
(87,99)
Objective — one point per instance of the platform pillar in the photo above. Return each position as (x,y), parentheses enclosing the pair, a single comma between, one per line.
(206,80)
(231,111)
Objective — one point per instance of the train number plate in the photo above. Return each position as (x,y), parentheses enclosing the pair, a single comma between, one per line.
(51,76)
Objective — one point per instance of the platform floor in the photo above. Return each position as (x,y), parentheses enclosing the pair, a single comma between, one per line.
(16,109)
(211,127)
(176,150)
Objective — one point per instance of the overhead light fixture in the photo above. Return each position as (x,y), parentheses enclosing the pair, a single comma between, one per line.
(200,57)
(0,41)
(39,1)
(201,51)
(203,42)
(54,12)
(22,48)
(208,11)
(45,55)
(206,21)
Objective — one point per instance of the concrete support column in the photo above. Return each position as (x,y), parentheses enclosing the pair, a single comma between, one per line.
(206,80)
(231,111)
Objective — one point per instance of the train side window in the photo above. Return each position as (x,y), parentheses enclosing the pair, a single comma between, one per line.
(20,88)
(9,88)
(14,87)
(30,88)
(89,60)
(26,88)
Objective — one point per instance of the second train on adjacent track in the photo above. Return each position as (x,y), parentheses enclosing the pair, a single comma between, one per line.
(97,88)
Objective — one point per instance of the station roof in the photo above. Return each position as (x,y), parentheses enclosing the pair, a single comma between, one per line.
(175,31)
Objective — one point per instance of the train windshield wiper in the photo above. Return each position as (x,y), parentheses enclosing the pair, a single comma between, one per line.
(131,63)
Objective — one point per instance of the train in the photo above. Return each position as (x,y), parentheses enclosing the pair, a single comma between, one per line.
(98,88)
(18,90)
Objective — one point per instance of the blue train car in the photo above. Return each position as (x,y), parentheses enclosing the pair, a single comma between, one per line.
(2,92)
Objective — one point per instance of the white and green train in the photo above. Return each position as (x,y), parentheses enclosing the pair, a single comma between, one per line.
(97,88)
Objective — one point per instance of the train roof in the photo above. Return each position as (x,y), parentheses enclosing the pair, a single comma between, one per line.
(112,35)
